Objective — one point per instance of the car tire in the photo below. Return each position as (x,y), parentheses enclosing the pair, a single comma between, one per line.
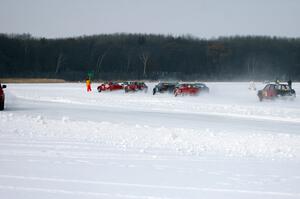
(260,96)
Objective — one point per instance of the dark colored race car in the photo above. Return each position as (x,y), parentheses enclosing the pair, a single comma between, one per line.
(164,87)
(190,89)
(110,86)
(135,86)
(273,91)
(203,88)
(2,97)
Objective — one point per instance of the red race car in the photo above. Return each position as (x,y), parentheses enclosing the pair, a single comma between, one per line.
(274,91)
(110,86)
(190,89)
(135,86)
(2,97)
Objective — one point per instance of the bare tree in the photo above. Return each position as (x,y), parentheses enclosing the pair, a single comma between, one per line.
(26,52)
(144,57)
(100,60)
(129,58)
(251,64)
(128,62)
(60,61)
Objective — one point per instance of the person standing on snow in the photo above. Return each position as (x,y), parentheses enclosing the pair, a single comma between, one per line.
(88,84)
(290,83)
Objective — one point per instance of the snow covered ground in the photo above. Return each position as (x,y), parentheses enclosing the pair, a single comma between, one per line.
(57,141)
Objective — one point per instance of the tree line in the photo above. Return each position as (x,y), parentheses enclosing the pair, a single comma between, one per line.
(149,56)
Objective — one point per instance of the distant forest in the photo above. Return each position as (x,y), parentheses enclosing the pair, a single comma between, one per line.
(151,57)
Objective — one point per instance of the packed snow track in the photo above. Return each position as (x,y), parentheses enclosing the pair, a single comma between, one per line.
(58,141)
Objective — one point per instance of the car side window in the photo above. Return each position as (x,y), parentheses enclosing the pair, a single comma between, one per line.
(284,87)
(272,87)
(267,87)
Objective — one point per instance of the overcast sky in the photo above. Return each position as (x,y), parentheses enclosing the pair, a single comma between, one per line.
(201,18)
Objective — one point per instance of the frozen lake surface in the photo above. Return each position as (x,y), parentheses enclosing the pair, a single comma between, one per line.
(58,141)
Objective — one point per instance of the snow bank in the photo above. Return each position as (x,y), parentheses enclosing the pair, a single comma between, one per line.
(143,137)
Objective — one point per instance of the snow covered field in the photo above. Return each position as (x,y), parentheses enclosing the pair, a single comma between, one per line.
(57,141)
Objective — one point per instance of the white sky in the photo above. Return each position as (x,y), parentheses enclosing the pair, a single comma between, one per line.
(201,18)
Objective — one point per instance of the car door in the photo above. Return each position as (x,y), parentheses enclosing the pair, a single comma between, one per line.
(271,91)
(266,91)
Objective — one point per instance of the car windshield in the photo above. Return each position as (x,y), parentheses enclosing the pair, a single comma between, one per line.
(199,85)
(284,87)
(181,85)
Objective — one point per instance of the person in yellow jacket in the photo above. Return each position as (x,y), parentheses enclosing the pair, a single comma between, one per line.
(88,84)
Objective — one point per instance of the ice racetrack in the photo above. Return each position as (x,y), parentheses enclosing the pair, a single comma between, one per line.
(57,141)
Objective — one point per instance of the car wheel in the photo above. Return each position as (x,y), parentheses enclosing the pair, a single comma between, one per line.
(260,96)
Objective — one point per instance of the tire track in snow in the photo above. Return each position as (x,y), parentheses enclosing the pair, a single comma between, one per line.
(82,193)
(148,186)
